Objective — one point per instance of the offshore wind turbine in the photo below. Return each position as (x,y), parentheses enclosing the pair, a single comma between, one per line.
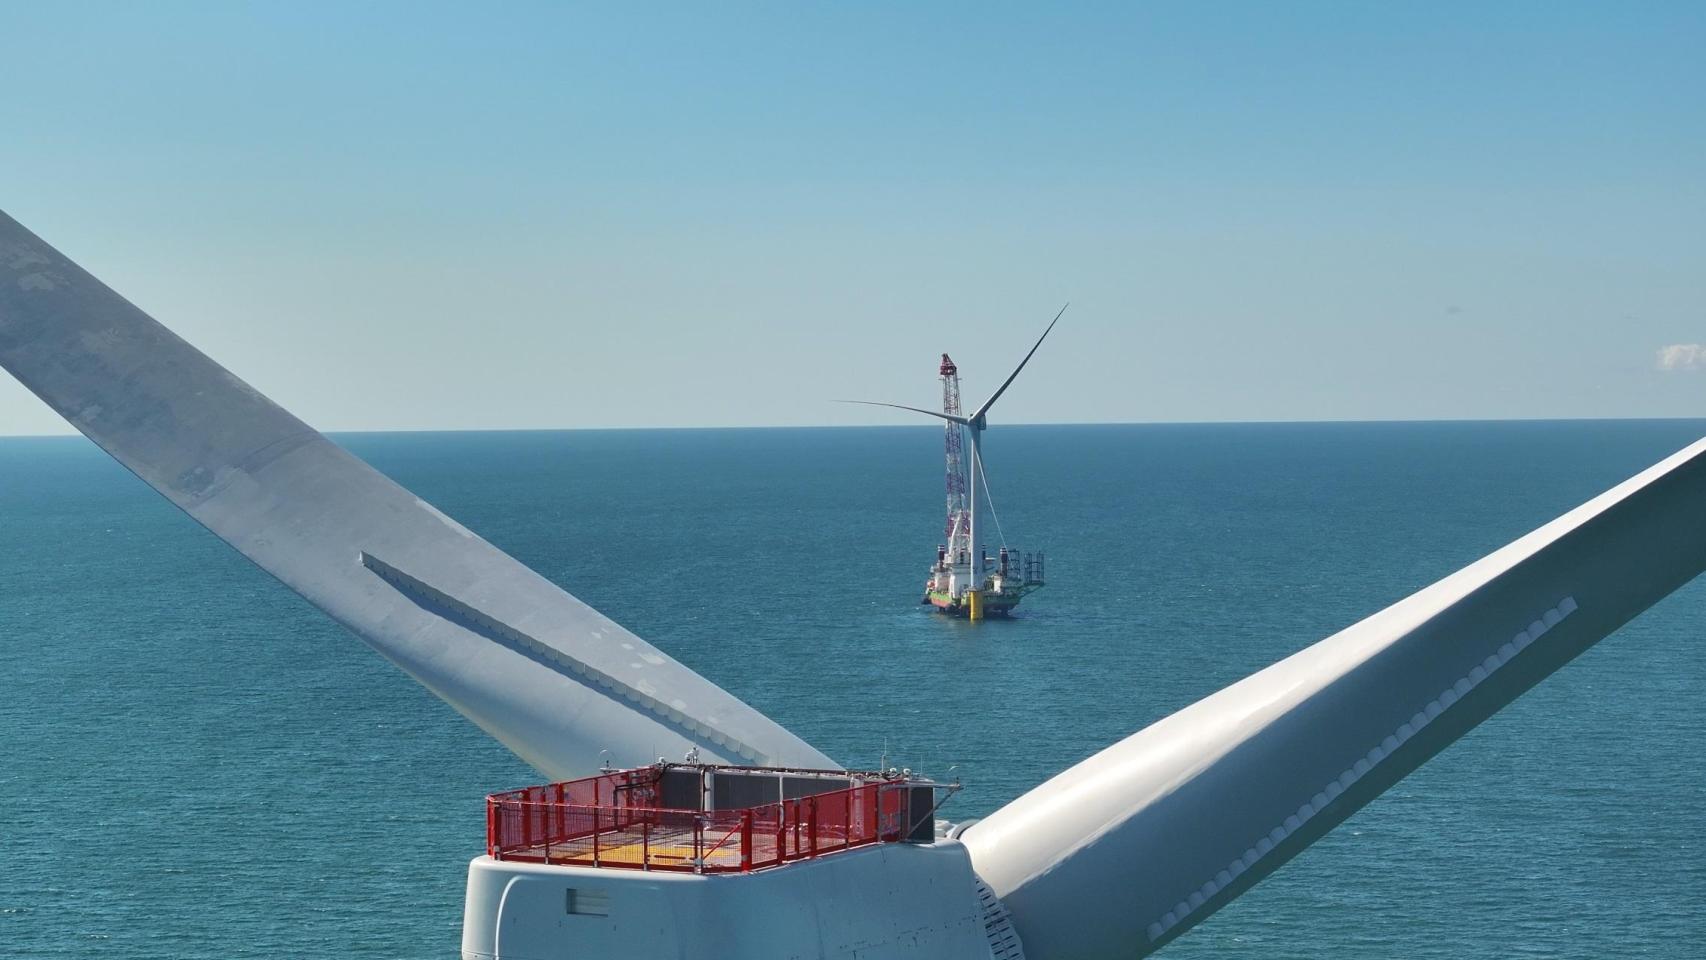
(974,424)
(1113,858)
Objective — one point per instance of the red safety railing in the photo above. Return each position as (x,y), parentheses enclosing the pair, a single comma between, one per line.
(612,821)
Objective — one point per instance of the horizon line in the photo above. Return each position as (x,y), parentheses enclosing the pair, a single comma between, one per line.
(927,426)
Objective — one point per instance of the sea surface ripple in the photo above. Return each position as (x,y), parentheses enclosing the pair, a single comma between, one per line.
(198,764)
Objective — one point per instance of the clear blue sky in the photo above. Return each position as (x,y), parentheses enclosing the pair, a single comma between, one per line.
(486,216)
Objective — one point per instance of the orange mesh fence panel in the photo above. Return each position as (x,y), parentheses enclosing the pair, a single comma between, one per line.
(834,811)
(791,838)
(611,820)
(768,836)
(892,809)
(721,843)
(670,839)
(862,815)
(525,830)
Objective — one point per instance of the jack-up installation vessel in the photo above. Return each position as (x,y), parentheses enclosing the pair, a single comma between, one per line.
(963,581)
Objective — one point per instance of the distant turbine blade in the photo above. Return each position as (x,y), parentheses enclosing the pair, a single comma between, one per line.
(1122,853)
(929,413)
(974,418)
(549,677)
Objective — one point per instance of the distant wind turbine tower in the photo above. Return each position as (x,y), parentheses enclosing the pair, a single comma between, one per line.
(960,583)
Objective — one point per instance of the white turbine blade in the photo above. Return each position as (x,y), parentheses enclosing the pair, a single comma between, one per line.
(548,676)
(929,413)
(978,416)
(1128,849)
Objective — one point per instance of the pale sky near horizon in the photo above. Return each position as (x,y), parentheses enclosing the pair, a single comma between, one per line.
(439,216)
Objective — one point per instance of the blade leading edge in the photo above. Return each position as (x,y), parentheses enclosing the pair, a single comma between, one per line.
(929,413)
(978,416)
(1122,853)
(549,677)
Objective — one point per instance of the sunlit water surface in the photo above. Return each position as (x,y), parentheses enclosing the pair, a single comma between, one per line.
(198,764)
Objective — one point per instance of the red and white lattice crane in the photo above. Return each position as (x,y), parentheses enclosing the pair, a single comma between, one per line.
(957,531)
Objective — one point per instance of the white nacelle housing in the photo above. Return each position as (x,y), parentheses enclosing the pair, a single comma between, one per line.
(898,900)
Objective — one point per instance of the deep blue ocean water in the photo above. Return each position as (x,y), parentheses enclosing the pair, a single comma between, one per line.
(198,764)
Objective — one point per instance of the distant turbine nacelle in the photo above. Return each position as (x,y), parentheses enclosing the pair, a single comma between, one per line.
(978,420)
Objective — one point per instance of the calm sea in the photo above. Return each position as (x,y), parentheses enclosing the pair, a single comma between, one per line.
(197,764)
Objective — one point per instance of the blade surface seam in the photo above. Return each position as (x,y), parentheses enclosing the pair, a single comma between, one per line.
(480,623)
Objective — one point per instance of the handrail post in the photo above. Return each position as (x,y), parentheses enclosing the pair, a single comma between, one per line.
(852,794)
(876,814)
(646,844)
(811,825)
(698,844)
(746,840)
(560,822)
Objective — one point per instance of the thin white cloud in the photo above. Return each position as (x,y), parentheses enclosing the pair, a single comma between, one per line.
(1687,357)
